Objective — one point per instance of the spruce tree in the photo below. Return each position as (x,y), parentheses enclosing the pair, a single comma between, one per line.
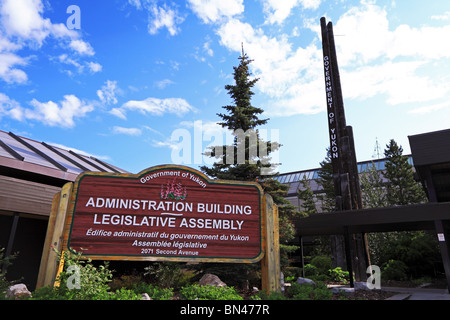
(242,115)
(402,188)
(413,249)
(325,180)
(242,119)
(373,188)
(306,195)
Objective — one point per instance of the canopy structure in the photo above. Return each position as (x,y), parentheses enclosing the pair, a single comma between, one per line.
(431,155)
(401,218)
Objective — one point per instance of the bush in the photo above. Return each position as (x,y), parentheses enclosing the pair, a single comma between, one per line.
(198,292)
(120,294)
(309,292)
(262,295)
(92,284)
(4,283)
(394,270)
(310,270)
(165,274)
(323,263)
(291,273)
(339,275)
(153,291)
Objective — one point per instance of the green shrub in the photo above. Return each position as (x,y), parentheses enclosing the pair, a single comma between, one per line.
(5,262)
(338,275)
(309,292)
(47,293)
(198,292)
(120,294)
(394,270)
(125,281)
(310,270)
(291,273)
(323,263)
(92,285)
(165,274)
(320,277)
(262,295)
(153,291)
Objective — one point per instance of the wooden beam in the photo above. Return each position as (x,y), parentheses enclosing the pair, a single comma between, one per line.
(270,264)
(49,260)
(48,238)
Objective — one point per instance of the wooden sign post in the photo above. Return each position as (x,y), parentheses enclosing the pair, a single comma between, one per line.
(166,213)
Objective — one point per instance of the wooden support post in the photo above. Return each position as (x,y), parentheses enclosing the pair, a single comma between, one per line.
(270,264)
(444,247)
(53,240)
(12,235)
(348,256)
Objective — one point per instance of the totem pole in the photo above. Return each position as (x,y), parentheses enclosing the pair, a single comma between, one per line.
(343,158)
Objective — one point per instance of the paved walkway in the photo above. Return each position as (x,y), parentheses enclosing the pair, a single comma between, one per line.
(406,293)
(417,293)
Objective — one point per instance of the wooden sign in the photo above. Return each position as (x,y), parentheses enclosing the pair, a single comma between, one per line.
(172,213)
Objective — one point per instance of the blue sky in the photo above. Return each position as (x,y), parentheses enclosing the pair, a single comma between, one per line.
(136,73)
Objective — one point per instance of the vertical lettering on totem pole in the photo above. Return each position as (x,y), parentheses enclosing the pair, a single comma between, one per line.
(342,152)
(333,129)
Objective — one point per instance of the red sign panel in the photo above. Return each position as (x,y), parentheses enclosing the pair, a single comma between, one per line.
(165,213)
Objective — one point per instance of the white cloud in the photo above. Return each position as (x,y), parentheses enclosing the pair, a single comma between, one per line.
(24,19)
(205,134)
(445,16)
(398,80)
(207,128)
(287,76)
(64,58)
(8,72)
(366,36)
(94,67)
(154,106)
(60,114)
(211,11)
(373,59)
(81,47)
(167,144)
(118,112)
(430,108)
(378,60)
(277,11)
(207,48)
(127,131)
(22,25)
(7,45)
(107,94)
(164,17)
(164,83)
(10,108)
(135,3)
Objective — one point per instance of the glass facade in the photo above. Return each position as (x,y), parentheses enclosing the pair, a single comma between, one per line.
(294,179)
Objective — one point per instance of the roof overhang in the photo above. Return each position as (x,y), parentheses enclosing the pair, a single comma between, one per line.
(399,218)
